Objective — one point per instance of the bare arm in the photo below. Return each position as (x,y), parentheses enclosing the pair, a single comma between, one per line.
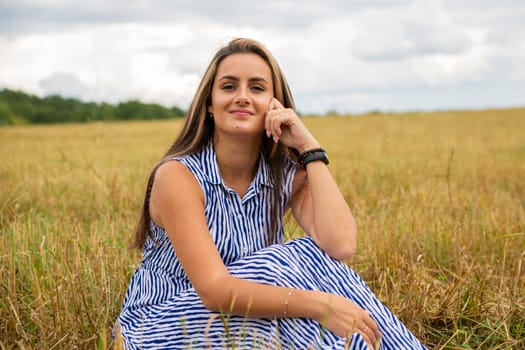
(319,206)
(321,210)
(177,205)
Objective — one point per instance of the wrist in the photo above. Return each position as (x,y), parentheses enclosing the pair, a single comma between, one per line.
(318,305)
(305,303)
(312,155)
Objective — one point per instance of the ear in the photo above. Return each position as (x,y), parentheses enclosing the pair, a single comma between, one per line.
(210,109)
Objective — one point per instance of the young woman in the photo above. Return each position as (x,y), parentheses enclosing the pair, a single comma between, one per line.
(215,272)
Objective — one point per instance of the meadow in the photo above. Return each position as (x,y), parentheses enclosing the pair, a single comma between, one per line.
(439,199)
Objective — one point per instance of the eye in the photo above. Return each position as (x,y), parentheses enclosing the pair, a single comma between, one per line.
(228,87)
(258,88)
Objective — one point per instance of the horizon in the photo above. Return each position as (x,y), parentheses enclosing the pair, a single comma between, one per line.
(328,113)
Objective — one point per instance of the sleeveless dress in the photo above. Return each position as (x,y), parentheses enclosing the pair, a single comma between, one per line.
(161,309)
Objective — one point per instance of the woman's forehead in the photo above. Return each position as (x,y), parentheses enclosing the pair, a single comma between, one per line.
(244,65)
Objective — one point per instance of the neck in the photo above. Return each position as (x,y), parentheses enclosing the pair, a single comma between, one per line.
(237,160)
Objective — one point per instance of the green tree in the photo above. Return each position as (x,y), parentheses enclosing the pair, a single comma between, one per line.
(19,106)
(6,114)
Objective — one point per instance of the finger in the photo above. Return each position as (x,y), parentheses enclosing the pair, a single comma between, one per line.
(371,336)
(270,116)
(277,104)
(267,119)
(277,122)
(369,321)
(272,105)
(367,339)
(275,129)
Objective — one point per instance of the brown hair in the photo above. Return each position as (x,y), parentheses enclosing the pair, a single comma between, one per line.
(198,129)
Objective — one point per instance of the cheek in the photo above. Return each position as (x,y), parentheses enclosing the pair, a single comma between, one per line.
(217,100)
(263,103)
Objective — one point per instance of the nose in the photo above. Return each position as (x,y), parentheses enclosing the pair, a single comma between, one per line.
(242,96)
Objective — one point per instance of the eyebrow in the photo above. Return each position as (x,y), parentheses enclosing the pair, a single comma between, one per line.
(256,79)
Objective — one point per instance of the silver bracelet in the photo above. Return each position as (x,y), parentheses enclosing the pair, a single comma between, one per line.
(286,302)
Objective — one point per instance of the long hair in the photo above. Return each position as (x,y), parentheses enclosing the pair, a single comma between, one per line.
(198,129)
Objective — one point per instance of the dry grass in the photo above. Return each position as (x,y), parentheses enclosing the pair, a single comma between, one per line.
(439,199)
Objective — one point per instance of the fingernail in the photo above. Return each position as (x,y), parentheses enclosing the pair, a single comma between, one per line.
(267,133)
(275,139)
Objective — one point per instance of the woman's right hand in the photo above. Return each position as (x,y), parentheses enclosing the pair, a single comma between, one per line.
(344,317)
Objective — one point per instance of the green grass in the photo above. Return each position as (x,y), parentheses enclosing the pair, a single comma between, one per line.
(439,199)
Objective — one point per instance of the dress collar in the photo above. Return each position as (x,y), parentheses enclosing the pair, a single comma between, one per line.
(213,175)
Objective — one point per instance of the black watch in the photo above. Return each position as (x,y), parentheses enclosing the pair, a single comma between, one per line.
(312,156)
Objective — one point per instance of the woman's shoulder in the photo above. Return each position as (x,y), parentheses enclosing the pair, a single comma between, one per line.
(171,168)
(199,163)
(190,159)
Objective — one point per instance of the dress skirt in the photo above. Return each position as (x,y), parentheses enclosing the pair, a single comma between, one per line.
(182,322)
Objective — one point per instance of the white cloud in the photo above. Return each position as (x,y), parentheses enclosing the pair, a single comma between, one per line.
(157,63)
(422,28)
(345,55)
(65,84)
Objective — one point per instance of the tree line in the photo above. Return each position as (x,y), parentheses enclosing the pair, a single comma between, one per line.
(18,107)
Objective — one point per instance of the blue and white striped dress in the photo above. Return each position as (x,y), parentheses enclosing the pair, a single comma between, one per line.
(161,309)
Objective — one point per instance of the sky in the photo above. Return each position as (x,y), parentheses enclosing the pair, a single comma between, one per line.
(345,56)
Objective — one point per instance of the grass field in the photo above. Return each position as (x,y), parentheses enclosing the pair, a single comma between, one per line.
(439,199)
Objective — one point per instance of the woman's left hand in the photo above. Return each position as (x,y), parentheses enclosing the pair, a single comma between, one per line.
(284,125)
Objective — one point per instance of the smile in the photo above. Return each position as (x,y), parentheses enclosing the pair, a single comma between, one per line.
(241,112)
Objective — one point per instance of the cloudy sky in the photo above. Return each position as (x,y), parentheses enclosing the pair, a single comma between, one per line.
(343,55)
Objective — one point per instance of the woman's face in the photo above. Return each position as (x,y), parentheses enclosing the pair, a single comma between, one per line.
(241,95)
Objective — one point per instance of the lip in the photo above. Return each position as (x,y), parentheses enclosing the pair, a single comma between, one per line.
(241,112)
